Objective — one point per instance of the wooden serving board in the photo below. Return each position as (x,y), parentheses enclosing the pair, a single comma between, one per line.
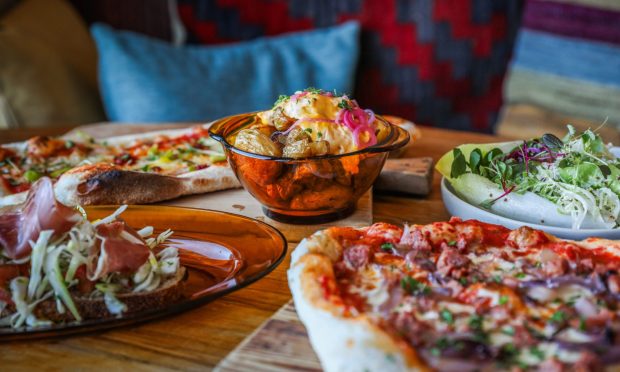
(279,344)
(241,202)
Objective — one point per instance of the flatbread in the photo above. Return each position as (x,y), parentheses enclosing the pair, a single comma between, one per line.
(107,183)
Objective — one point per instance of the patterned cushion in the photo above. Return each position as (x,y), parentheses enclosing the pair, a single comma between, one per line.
(147,80)
(567,59)
(437,62)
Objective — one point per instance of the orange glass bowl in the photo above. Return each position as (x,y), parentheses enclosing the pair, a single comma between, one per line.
(308,190)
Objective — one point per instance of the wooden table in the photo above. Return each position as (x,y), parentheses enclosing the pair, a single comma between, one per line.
(200,338)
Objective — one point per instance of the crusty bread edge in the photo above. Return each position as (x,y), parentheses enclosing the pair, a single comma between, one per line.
(342,343)
(171,291)
(133,187)
(109,185)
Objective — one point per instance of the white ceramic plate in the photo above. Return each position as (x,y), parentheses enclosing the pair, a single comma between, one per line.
(460,208)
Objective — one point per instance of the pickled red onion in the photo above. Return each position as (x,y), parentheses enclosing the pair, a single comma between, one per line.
(295,96)
(358,121)
(371,116)
(354,118)
(372,138)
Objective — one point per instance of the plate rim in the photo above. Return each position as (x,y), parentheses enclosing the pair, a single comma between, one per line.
(446,187)
(141,318)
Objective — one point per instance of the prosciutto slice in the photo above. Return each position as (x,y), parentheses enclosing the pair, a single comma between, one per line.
(119,248)
(40,211)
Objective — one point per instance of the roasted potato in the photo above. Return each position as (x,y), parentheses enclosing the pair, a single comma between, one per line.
(252,140)
(279,119)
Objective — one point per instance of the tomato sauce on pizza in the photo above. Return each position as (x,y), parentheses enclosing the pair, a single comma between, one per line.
(164,154)
(469,296)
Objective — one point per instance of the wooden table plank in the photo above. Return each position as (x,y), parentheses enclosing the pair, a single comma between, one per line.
(202,337)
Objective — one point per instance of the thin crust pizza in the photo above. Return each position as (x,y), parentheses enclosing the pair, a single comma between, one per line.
(130,169)
(457,296)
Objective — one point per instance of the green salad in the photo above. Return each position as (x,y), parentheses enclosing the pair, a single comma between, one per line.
(578,174)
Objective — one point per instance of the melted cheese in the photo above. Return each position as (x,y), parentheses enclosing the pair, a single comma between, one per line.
(312,106)
(371,286)
(340,137)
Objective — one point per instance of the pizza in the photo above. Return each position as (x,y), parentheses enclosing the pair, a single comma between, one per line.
(129,169)
(457,296)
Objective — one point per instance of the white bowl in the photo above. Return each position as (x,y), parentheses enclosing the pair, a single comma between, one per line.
(460,208)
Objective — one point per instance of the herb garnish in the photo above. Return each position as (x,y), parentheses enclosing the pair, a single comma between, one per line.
(281,98)
(578,173)
(558,317)
(344,104)
(414,287)
(446,316)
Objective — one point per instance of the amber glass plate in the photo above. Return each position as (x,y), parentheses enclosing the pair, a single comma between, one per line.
(222,252)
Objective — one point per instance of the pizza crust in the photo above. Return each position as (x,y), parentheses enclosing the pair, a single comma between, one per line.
(101,184)
(104,184)
(107,184)
(342,343)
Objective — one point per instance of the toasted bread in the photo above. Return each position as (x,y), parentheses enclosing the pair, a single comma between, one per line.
(169,292)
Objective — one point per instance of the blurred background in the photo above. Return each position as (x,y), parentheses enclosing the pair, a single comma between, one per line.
(514,67)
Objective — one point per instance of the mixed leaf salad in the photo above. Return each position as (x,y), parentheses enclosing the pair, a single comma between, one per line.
(570,182)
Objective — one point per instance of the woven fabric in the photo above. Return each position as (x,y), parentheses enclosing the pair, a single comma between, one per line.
(567,59)
(147,80)
(437,62)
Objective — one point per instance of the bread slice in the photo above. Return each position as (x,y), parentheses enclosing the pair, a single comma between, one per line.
(169,292)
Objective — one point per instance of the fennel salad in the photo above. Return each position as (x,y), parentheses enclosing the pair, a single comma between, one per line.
(57,272)
(578,174)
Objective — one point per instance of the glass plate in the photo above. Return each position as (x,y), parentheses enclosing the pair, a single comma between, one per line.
(222,252)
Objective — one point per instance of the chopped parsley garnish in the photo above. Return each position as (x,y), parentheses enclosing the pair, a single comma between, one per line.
(452,243)
(503,300)
(414,287)
(281,98)
(314,90)
(510,349)
(309,130)
(463,281)
(344,104)
(387,247)
(535,351)
(558,317)
(475,322)
(446,316)
(571,301)
(32,175)
(582,324)
(442,343)
(509,331)
(319,134)
(520,275)
(497,279)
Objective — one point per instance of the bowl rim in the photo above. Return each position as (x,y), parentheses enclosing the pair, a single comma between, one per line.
(397,138)
(503,220)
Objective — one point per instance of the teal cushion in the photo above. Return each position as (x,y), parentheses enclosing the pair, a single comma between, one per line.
(147,80)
